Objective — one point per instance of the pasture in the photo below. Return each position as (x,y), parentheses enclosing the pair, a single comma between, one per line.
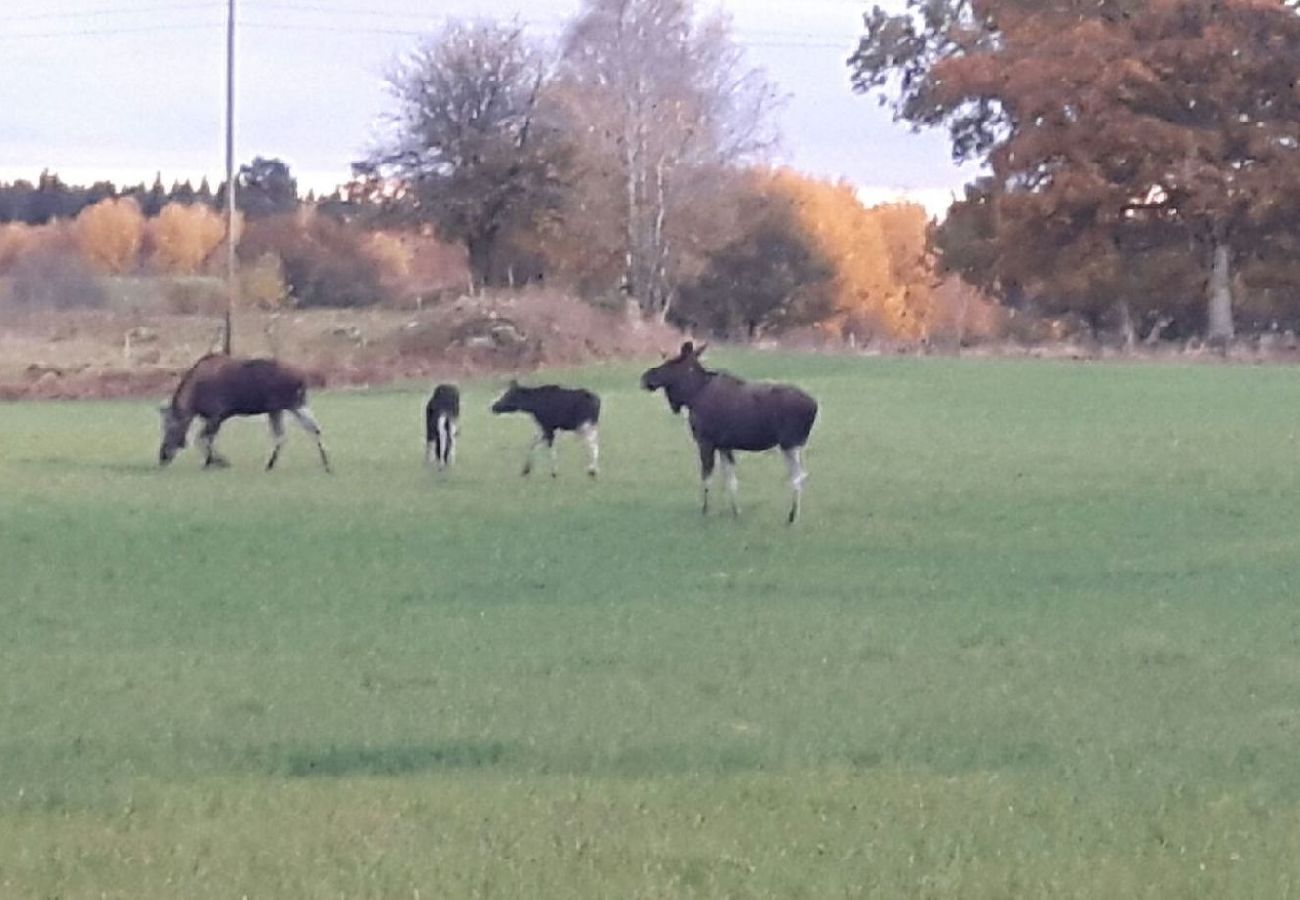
(1036,634)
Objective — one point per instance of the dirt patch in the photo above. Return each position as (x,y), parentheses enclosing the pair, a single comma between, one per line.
(78,354)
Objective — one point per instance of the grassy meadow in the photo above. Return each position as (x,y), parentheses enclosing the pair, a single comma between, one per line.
(1037,635)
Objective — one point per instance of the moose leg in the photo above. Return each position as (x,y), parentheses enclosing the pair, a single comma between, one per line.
(302,415)
(446,441)
(532,448)
(550,445)
(207,440)
(590,435)
(276,421)
(798,475)
(729,471)
(437,434)
(706,473)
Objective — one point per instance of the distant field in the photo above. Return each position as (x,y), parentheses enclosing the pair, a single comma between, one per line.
(1038,634)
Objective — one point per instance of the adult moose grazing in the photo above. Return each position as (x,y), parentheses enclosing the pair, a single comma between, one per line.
(555,408)
(218,387)
(728,414)
(441,415)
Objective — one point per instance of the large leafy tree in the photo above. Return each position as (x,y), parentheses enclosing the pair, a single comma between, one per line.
(468,152)
(265,187)
(770,276)
(1139,150)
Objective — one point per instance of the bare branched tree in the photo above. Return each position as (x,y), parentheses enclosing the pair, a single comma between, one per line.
(467,153)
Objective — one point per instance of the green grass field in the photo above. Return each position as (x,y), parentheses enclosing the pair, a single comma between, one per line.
(1037,635)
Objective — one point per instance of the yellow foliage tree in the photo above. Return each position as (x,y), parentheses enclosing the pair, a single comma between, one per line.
(184,237)
(108,235)
(882,268)
(393,256)
(906,228)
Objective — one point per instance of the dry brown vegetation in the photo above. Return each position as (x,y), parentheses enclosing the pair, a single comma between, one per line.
(139,352)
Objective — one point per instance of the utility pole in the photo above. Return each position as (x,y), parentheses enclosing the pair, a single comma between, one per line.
(232,279)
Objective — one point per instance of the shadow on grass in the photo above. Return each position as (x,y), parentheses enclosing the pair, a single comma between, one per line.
(398,759)
(65,463)
(395,760)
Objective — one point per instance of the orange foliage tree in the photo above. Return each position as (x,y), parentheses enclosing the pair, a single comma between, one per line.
(183,237)
(108,235)
(882,268)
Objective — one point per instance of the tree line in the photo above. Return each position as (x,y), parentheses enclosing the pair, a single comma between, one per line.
(625,164)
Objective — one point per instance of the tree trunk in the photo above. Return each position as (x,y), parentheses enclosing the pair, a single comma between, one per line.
(481,250)
(1157,330)
(1219,319)
(1127,330)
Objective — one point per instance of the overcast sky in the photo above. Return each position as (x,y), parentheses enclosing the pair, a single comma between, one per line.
(125,88)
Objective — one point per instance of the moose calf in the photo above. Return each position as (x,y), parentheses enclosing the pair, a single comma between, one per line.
(441,415)
(555,408)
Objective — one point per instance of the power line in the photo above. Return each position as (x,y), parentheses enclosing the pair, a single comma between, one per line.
(749,34)
(109,11)
(552,26)
(99,32)
(409,32)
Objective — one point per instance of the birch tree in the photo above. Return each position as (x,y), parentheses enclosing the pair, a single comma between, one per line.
(656,98)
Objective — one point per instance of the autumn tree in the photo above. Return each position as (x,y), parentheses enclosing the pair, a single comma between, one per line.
(183,237)
(1136,148)
(658,98)
(881,279)
(108,235)
(468,149)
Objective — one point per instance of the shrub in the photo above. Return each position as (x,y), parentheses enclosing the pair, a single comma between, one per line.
(262,285)
(326,262)
(53,279)
(195,296)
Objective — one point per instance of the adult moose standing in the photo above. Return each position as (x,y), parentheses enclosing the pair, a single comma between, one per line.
(218,387)
(729,414)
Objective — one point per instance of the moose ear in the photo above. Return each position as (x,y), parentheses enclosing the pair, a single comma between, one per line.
(688,348)
(703,347)
(514,382)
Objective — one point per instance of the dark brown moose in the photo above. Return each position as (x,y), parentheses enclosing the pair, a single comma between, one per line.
(218,387)
(555,408)
(729,414)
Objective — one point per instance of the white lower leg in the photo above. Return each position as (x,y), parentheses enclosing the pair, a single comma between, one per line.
(444,429)
(590,435)
(798,475)
(733,485)
(302,415)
